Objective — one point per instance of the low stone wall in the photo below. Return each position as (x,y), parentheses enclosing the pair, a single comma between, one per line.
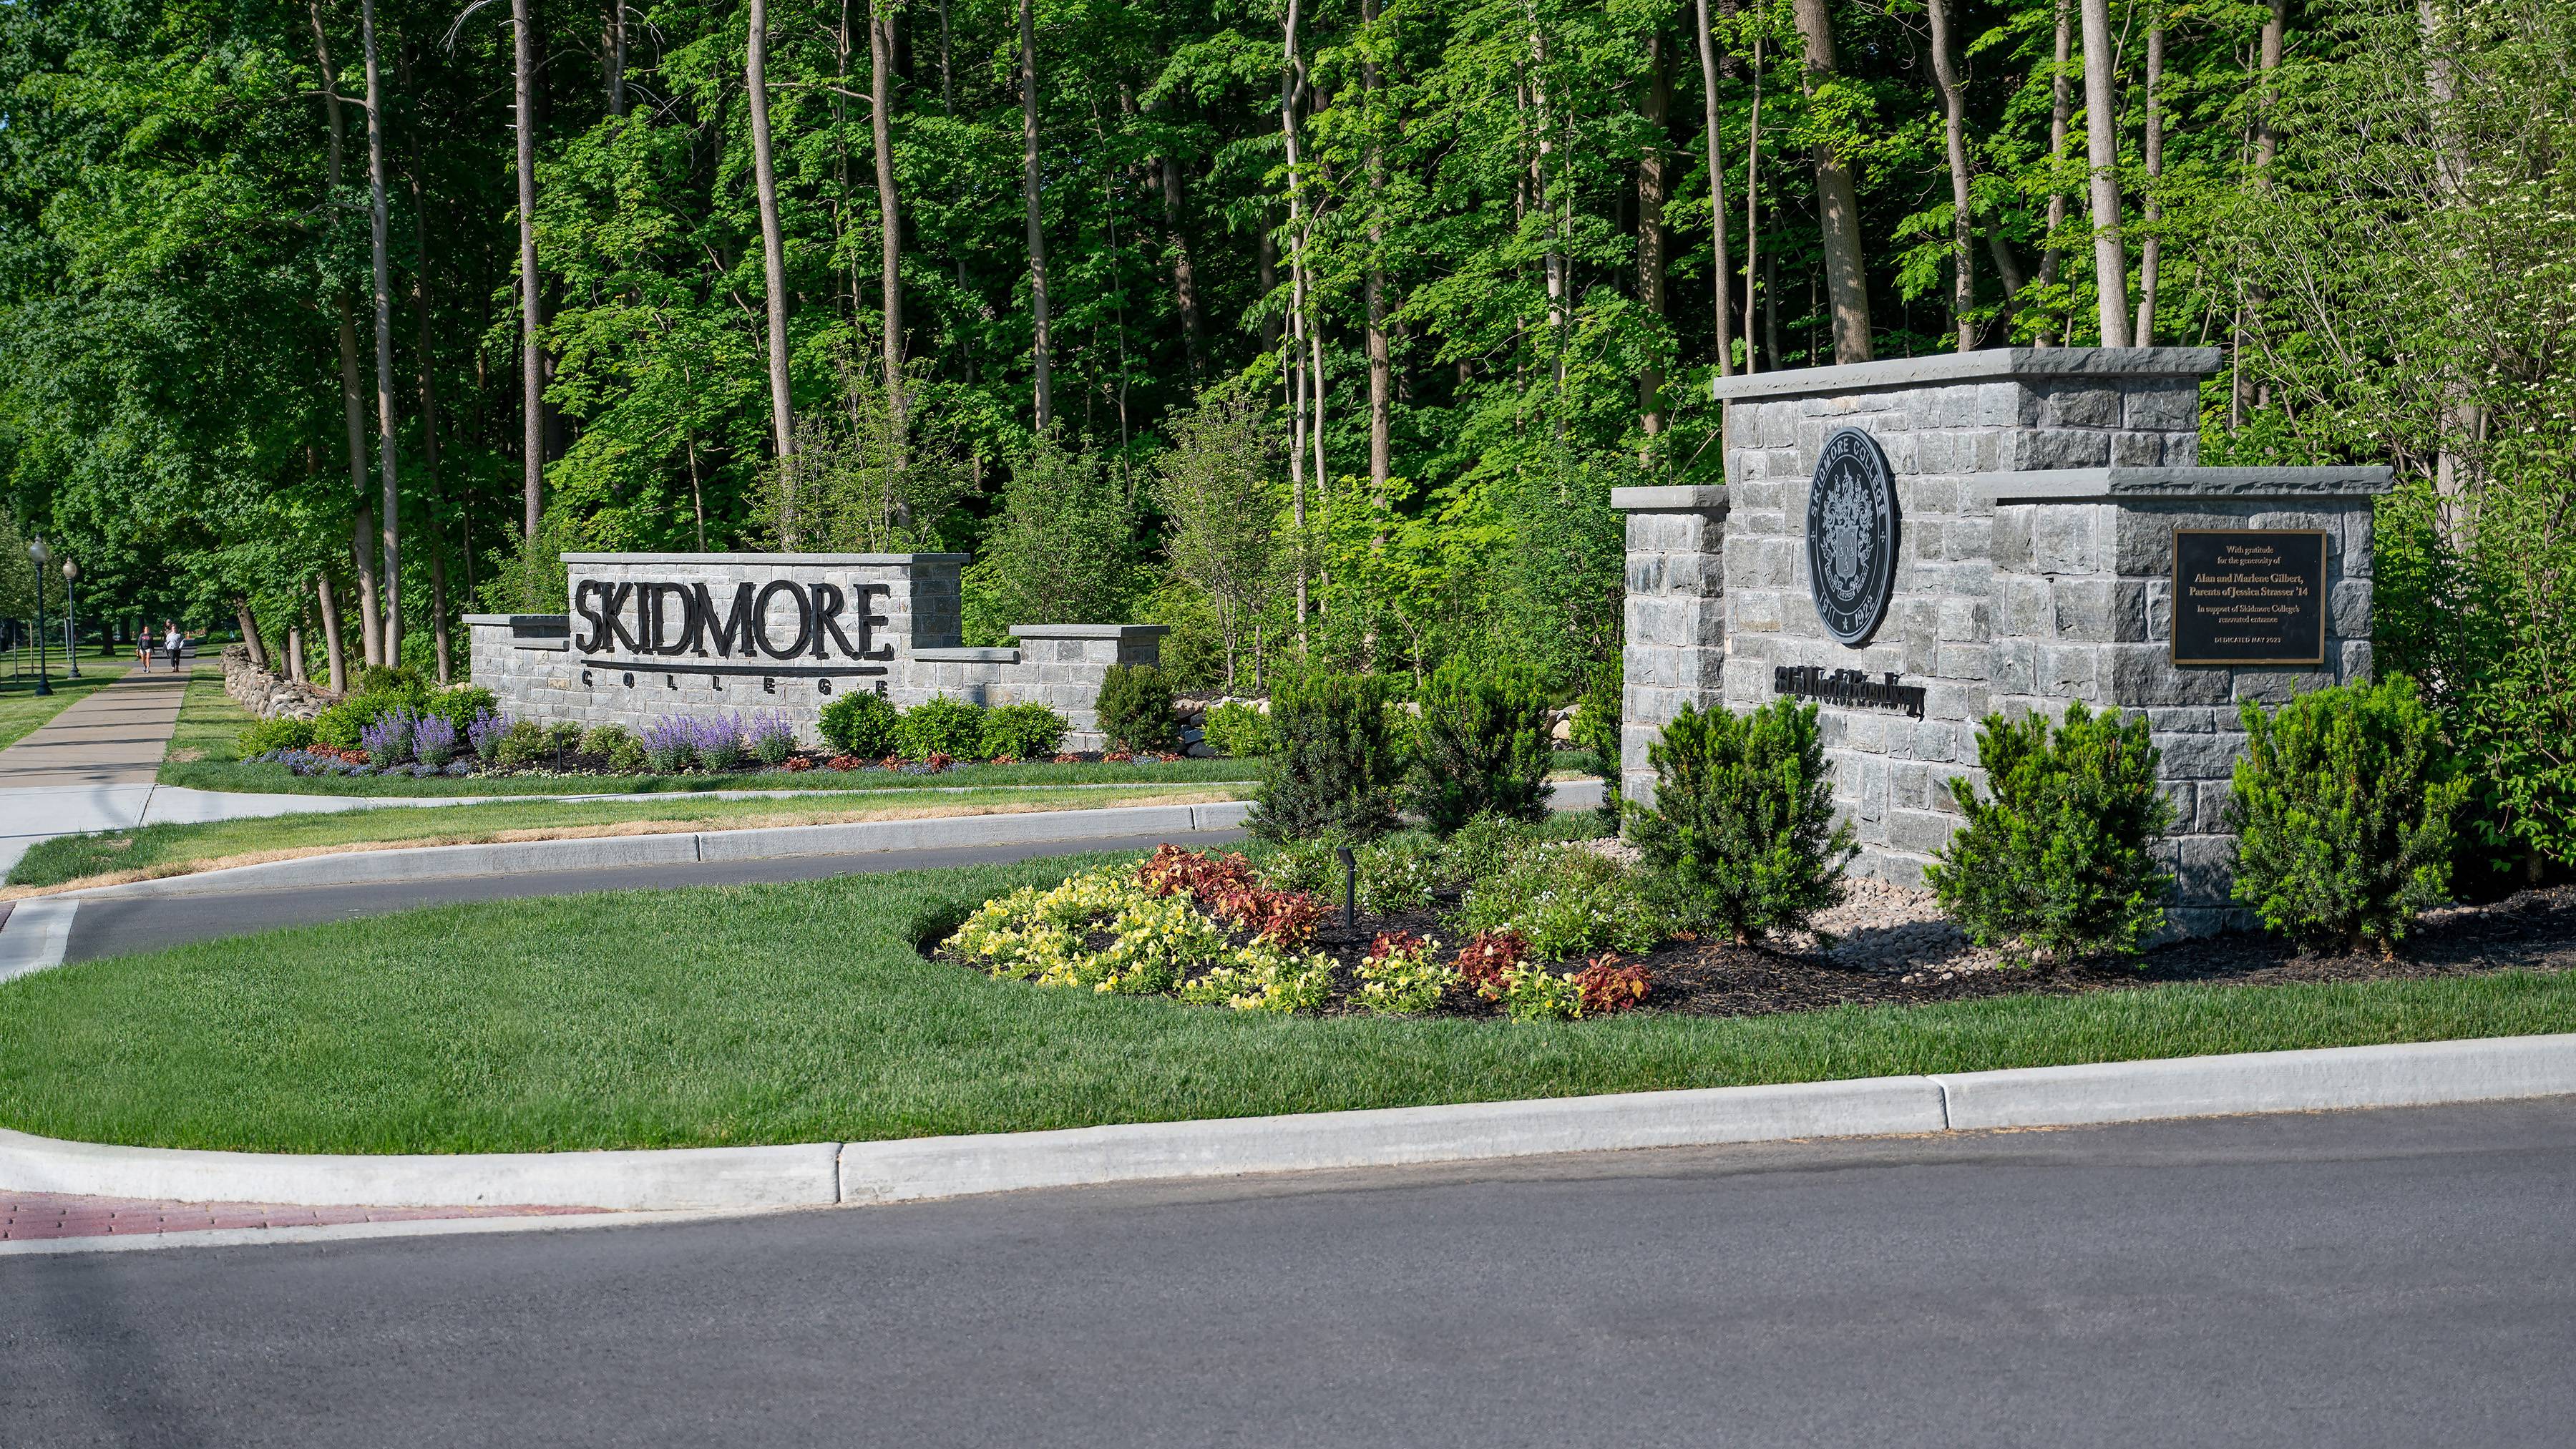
(268,695)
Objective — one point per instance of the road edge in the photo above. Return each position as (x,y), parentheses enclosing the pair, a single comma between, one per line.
(914,1169)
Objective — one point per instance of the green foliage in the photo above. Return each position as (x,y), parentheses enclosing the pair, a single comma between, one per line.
(1482,746)
(1236,731)
(629,757)
(1596,720)
(460,704)
(860,723)
(606,739)
(1742,834)
(1218,485)
(339,725)
(1485,847)
(941,725)
(1567,902)
(1135,707)
(392,682)
(1028,731)
(1062,550)
(1531,992)
(1337,763)
(563,736)
(1396,873)
(2058,862)
(526,746)
(283,733)
(1402,975)
(2342,808)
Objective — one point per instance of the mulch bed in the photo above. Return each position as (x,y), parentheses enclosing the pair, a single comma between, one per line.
(2532,930)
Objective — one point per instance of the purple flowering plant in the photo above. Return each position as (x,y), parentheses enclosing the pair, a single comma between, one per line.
(388,741)
(485,732)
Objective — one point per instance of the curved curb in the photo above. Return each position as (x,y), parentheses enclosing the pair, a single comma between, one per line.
(903,1170)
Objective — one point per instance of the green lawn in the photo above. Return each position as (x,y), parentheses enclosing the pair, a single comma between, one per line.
(795,1013)
(202,756)
(175,849)
(22,709)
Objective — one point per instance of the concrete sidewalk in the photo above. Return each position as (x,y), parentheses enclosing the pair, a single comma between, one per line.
(92,766)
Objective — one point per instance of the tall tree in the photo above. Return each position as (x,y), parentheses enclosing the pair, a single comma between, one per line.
(353,410)
(2102,164)
(889,211)
(1042,344)
(1655,111)
(1837,200)
(532,319)
(1723,271)
(773,256)
(1381,376)
(1954,143)
(2152,152)
(2061,115)
(383,267)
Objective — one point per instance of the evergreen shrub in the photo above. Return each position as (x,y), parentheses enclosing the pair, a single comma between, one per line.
(1337,764)
(1027,731)
(2058,862)
(1596,719)
(941,725)
(2343,807)
(1481,747)
(276,734)
(860,724)
(1237,731)
(1136,709)
(401,681)
(1741,834)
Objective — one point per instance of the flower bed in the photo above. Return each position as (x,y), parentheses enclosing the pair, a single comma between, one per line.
(1217,930)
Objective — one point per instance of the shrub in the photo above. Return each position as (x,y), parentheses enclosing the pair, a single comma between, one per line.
(433,741)
(1488,958)
(563,737)
(773,737)
(1336,767)
(670,745)
(2058,862)
(485,733)
(398,681)
(627,756)
(717,740)
(276,734)
(1238,731)
(1135,708)
(1399,975)
(606,739)
(1022,732)
(2342,808)
(1741,834)
(860,724)
(387,740)
(1481,747)
(1304,865)
(941,726)
(1596,719)
(1566,902)
(522,746)
(341,724)
(1485,847)
(460,705)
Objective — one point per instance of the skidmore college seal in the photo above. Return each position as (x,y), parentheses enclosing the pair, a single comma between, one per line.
(1851,535)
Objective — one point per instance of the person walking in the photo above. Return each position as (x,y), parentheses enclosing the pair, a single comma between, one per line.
(173,641)
(142,648)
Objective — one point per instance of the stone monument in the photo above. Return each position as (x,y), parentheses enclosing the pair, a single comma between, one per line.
(1916,543)
(656,635)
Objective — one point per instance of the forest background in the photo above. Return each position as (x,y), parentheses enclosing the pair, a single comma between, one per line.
(1319,331)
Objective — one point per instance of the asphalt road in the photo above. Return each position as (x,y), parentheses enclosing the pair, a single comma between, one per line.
(2389,1278)
(110,926)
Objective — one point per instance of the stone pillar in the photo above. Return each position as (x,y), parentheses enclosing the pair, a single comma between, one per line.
(1674,651)
(1061,666)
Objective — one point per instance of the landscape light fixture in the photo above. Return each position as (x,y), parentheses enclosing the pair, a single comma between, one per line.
(42,555)
(71,631)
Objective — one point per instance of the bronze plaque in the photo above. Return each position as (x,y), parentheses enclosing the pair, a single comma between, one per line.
(2249,596)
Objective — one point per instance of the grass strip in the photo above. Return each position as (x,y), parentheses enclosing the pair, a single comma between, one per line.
(109,856)
(23,711)
(203,756)
(803,1013)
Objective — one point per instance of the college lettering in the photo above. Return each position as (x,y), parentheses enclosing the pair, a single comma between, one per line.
(819,621)
(1847,687)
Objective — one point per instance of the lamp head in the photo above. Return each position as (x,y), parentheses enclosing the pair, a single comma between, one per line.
(39,552)
(71,571)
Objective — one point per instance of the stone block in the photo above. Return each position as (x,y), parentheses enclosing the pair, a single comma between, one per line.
(2063,540)
(2348,616)
(2356,660)
(1923,832)
(2081,405)
(2041,448)
(2160,407)
(2143,676)
(1963,661)
(2009,544)
(2197,757)
(1971,538)
(2013,666)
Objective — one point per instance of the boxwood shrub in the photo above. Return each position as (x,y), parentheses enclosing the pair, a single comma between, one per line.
(941,726)
(860,724)
(1028,731)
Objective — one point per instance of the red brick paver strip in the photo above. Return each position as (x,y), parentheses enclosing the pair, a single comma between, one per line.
(31,1215)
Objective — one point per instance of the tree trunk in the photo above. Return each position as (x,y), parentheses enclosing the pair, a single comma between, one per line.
(1185,284)
(2266,145)
(1722,278)
(1042,345)
(773,262)
(1291,83)
(429,417)
(251,639)
(386,461)
(1954,114)
(2154,155)
(1381,358)
(295,645)
(1651,192)
(889,212)
(362,553)
(353,408)
(617,58)
(1265,263)
(2061,112)
(1837,202)
(1752,211)
(2102,162)
(332,653)
(532,361)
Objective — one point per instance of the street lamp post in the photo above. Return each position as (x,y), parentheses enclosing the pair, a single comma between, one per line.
(41,555)
(71,630)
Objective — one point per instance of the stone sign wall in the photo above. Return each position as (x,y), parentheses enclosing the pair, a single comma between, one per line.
(656,635)
(2038,493)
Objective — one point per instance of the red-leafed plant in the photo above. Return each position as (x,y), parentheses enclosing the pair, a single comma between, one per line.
(1226,887)
(1484,960)
(795,763)
(846,762)
(1609,987)
(1391,944)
